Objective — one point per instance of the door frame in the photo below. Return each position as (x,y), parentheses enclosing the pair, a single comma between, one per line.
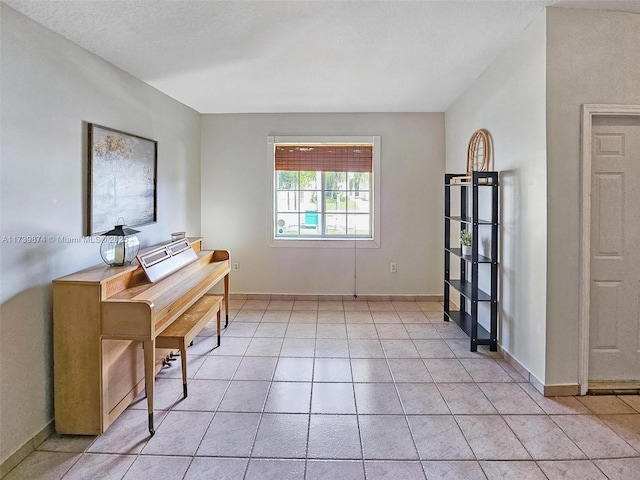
(589,111)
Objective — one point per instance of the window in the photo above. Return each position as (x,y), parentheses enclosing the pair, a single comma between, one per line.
(324,190)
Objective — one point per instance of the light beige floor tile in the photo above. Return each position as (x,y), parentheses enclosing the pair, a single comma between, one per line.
(333,398)
(370,370)
(399,349)
(308,305)
(281,436)
(332,306)
(620,469)
(392,331)
(323,431)
(331,330)
(465,399)
(244,396)
(240,329)
(401,401)
(361,331)
(151,467)
(179,434)
(298,347)
(263,468)
(447,370)
(128,434)
(412,316)
(381,307)
(332,347)
(255,305)
(626,426)
(605,404)
(331,317)
(438,437)
(385,317)
(407,470)
(510,398)
(433,307)
(333,469)
(332,370)
(485,370)
(571,470)
(276,316)
(449,330)
(218,368)
(386,437)
(631,400)
(250,316)
(203,468)
(304,316)
(358,317)
(270,329)
(454,470)
(490,438)
(294,369)
(67,443)
(365,349)
(230,435)
(202,395)
(513,373)
(264,347)
(377,398)
(256,368)
(521,470)
(356,306)
(289,397)
(593,436)
(555,405)
(99,465)
(402,306)
(228,346)
(44,466)
(433,348)
(280,305)
(409,370)
(542,438)
(422,331)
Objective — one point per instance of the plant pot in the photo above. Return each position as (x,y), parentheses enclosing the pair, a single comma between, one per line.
(466,250)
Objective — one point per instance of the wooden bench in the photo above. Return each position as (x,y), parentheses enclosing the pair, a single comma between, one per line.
(187,326)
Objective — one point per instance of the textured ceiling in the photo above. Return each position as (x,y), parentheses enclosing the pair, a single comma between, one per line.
(297,56)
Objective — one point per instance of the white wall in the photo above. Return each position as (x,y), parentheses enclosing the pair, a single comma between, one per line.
(509,101)
(592,57)
(50,88)
(235,182)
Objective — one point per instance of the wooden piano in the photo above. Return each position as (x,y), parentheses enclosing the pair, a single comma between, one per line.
(105,321)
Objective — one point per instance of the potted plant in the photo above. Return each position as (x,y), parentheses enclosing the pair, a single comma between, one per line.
(465,241)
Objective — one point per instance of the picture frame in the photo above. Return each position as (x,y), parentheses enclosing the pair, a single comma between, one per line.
(122,179)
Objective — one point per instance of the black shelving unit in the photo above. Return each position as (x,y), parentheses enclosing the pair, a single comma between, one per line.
(475,265)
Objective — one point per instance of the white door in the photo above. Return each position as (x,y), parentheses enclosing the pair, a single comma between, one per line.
(614,323)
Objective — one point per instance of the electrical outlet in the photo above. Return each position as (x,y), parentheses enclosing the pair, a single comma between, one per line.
(393,267)
(236,266)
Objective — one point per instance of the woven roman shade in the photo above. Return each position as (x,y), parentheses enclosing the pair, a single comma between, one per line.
(324,158)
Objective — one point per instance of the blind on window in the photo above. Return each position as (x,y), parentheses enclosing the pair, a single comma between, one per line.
(324,158)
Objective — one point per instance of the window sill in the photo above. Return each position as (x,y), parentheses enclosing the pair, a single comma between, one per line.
(323,243)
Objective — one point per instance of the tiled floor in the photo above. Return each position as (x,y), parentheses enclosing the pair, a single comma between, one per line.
(353,390)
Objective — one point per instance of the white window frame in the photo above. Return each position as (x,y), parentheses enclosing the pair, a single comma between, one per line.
(323,242)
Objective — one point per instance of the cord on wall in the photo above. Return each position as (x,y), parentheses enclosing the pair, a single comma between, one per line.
(355,267)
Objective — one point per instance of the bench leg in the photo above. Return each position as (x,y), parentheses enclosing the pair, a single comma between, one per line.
(218,319)
(149,378)
(183,361)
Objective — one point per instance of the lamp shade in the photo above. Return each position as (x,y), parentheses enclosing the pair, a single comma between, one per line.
(119,246)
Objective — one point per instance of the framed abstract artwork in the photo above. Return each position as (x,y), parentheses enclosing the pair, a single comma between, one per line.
(122,179)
